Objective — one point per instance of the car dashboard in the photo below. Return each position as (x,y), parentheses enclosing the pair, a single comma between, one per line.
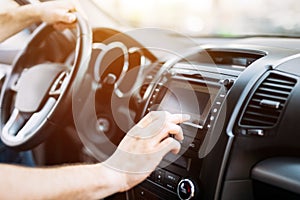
(243,97)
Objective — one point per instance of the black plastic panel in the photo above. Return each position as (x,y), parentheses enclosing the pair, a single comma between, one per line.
(281,172)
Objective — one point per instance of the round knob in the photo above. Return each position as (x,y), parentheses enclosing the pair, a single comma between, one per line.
(228,83)
(186,189)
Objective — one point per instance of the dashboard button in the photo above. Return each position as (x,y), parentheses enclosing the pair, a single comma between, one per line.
(195,145)
(159,176)
(192,144)
(258,132)
(171,181)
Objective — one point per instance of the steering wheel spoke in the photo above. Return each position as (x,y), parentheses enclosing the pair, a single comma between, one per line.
(22,126)
(14,124)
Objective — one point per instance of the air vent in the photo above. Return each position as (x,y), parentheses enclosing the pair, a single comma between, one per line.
(268,101)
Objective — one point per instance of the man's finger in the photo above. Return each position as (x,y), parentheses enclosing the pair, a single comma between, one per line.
(170,128)
(179,118)
(169,144)
(62,26)
(148,119)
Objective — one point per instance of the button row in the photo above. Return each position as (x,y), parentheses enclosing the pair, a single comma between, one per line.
(166,179)
(215,109)
(154,95)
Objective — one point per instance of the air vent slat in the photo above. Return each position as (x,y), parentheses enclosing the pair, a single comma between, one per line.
(260,115)
(274,88)
(251,121)
(260,96)
(260,109)
(272,91)
(282,82)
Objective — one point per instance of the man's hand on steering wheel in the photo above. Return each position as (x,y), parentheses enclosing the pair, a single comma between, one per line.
(58,13)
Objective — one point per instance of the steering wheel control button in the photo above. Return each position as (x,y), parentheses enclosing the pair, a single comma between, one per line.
(59,85)
(110,79)
(186,189)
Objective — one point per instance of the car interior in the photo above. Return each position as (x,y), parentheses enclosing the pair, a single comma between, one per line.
(70,96)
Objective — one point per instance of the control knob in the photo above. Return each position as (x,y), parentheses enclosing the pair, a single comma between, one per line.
(227,83)
(186,189)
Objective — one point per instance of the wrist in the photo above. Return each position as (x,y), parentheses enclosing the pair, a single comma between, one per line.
(115,179)
(32,13)
(36,12)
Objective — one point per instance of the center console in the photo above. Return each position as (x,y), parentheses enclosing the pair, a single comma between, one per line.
(199,89)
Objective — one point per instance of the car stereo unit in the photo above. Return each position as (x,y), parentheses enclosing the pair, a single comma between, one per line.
(200,95)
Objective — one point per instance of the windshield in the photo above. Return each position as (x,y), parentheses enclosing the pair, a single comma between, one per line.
(229,18)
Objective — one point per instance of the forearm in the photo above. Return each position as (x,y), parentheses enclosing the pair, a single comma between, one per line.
(17,19)
(57,13)
(68,182)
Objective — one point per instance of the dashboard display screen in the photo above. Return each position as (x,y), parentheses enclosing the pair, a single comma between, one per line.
(194,99)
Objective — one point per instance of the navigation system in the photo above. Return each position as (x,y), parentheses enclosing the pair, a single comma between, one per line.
(194,99)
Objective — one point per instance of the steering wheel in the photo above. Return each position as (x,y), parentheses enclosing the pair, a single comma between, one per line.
(36,97)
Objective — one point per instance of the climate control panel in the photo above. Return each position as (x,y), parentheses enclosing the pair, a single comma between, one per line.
(183,188)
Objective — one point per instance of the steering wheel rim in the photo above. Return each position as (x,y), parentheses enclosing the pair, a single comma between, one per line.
(33,118)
